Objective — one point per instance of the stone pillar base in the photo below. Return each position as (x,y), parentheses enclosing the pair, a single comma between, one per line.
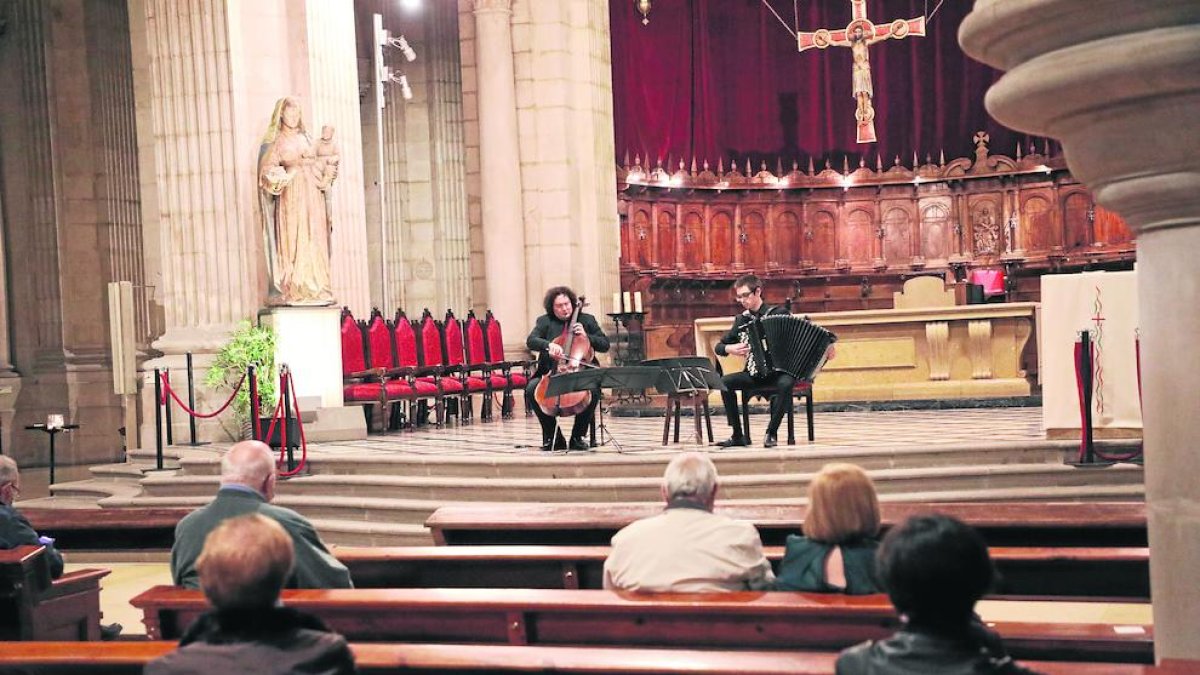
(308,341)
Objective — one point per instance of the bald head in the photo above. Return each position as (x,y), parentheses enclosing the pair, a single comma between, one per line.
(250,464)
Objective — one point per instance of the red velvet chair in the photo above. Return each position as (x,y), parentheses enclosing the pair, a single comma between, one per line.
(517,372)
(361,385)
(803,389)
(400,385)
(408,363)
(474,378)
(433,359)
(475,347)
(991,279)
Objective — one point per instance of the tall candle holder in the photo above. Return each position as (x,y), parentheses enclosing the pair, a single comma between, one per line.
(629,350)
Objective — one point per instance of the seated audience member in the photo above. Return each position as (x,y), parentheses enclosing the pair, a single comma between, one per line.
(934,569)
(242,569)
(248,486)
(15,529)
(688,548)
(837,552)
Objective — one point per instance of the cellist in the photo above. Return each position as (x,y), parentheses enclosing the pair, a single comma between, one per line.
(559,303)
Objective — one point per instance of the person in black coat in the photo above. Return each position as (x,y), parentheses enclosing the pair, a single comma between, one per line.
(559,303)
(748,290)
(15,529)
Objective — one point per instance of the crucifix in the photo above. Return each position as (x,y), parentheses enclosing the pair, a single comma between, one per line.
(859,34)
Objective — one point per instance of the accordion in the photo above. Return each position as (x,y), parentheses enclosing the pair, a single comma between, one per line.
(785,343)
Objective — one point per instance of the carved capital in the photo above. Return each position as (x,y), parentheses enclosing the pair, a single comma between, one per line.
(492,6)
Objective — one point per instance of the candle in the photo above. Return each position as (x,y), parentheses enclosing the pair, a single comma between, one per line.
(628,306)
(616,302)
(637,301)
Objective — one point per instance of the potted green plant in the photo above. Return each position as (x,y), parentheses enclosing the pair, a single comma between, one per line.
(248,345)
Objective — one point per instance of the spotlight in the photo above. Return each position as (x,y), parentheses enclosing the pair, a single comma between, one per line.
(410,5)
(402,44)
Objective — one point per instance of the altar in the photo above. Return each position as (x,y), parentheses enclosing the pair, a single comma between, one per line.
(925,348)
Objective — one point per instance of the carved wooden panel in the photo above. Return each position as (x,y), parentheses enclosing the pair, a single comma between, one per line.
(857,244)
(786,251)
(985,227)
(936,232)
(897,236)
(1077,231)
(721,229)
(1110,228)
(752,238)
(666,236)
(640,239)
(694,252)
(1038,225)
(824,238)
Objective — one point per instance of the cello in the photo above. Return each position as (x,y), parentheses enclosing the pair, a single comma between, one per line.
(577,355)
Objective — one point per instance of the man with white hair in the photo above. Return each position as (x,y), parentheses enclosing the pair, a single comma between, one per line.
(15,529)
(687,548)
(248,486)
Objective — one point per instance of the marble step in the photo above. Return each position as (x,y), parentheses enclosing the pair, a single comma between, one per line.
(621,489)
(94,489)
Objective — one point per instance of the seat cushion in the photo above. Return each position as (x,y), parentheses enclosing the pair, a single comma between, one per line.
(361,392)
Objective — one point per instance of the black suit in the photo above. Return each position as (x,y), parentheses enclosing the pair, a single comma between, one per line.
(734,382)
(544,331)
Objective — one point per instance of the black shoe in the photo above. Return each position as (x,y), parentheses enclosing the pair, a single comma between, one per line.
(734,441)
(110,631)
(770,441)
(579,444)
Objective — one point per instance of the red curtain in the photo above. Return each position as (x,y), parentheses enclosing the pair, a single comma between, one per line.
(723,79)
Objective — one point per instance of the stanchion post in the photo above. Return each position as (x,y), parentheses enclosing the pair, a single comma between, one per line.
(167,412)
(1085,356)
(158,420)
(284,380)
(191,399)
(252,376)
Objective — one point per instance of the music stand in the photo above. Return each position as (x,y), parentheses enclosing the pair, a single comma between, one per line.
(687,379)
(622,377)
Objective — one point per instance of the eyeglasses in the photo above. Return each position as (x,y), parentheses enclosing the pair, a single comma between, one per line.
(743,296)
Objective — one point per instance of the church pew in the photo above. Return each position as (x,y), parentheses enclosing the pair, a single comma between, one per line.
(128,658)
(745,620)
(1108,573)
(34,607)
(1088,524)
(107,529)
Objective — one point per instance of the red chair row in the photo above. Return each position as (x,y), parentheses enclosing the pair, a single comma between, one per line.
(404,367)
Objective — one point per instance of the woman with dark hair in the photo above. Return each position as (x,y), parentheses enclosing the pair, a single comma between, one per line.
(841,529)
(559,304)
(934,568)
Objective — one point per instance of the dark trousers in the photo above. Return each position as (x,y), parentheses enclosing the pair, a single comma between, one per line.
(583,421)
(781,400)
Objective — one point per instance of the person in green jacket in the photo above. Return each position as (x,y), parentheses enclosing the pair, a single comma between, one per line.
(841,530)
(248,486)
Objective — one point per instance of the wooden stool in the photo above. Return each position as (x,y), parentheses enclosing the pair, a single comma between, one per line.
(699,402)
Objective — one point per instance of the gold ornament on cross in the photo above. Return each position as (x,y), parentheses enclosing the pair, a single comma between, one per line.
(859,34)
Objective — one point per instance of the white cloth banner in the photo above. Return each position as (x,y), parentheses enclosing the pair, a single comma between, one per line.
(1106,304)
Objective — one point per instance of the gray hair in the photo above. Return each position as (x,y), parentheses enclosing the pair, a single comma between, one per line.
(8,469)
(691,476)
(247,463)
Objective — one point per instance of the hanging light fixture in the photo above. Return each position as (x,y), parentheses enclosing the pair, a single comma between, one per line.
(643,6)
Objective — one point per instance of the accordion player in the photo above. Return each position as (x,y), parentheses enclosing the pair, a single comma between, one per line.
(784,343)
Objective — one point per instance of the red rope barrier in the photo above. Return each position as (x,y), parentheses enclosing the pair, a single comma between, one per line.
(167,390)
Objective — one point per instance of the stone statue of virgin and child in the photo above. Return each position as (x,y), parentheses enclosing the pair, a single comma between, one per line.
(294,178)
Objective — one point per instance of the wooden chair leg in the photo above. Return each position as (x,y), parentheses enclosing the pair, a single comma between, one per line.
(708,419)
(791,415)
(746,413)
(667,418)
(808,410)
(677,406)
(696,418)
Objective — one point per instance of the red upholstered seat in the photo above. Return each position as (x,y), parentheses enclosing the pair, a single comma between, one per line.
(408,372)
(517,373)
(991,278)
(361,384)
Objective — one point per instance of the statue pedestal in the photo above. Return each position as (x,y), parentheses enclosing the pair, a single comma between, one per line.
(307,339)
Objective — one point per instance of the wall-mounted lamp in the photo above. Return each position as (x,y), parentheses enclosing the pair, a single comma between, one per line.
(643,6)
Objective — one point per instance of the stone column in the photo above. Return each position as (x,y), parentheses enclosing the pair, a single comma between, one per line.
(333,82)
(504,255)
(1119,85)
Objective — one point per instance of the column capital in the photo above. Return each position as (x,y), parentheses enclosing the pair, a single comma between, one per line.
(486,6)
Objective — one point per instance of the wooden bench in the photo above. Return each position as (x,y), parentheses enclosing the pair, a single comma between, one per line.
(1094,524)
(780,621)
(107,529)
(34,607)
(129,658)
(1094,573)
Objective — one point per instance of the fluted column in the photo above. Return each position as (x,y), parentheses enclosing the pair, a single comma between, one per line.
(333,81)
(448,151)
(1119,84)
(500,170)
(204,179)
